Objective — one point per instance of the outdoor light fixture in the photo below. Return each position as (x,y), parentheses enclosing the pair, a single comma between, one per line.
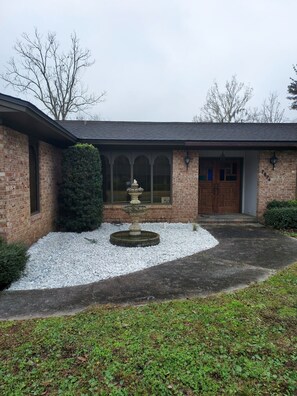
(273,160)
(187,159)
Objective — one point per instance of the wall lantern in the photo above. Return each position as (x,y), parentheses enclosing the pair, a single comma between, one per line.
(273,160)
(187,159)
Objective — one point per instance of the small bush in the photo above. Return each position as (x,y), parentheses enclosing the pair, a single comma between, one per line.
(281,204)
(13,258)
(281,218)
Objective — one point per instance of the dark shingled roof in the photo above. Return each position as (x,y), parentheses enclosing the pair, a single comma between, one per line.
(24,116)
(181,131)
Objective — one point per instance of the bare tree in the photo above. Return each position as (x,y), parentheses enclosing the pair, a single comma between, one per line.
(51,75)
(271,110)
(228,105)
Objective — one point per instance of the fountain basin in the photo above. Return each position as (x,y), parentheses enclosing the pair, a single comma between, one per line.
(146,238)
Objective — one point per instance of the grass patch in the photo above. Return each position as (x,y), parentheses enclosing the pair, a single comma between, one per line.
(292,234)
(243,343)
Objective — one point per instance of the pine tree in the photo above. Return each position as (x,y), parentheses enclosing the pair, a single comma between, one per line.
(292,90)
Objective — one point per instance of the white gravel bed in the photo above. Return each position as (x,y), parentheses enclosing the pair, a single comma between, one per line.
(68,259)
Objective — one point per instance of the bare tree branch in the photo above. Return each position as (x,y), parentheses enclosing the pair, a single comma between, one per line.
(231,105)
(228,105)
(50,75)
(271,110)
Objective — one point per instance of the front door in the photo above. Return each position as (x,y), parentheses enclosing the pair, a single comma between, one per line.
(219,185)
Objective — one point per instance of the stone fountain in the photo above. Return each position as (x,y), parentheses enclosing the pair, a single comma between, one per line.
(135,237)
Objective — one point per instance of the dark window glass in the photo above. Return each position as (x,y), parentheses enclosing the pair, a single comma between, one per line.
(106,180)
(234,168)
(162,179)
(231,178)
(209,174)
(121,179)
(34,177)
(222,174)
(142,173)
(202,173)
(117,177)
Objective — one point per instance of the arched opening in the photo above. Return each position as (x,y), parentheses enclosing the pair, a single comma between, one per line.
(121,178)
(106,178)
(161,180)
(142,173)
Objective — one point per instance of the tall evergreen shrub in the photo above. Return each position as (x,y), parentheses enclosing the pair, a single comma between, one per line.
(80,199)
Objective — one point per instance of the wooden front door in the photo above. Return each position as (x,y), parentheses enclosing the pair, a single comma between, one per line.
(219,185)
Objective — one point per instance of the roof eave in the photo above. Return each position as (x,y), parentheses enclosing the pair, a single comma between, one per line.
(26,118)
(241,144)
(191,144)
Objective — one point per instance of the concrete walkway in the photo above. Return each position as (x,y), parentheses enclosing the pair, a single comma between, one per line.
(244,255)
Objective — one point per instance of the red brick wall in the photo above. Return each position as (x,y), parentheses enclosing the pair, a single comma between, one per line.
(2,185)
(185,187)
(17,222)
(184,205)
(280,183)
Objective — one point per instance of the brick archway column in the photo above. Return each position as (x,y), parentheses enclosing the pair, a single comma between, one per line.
(185,186)
(280,183)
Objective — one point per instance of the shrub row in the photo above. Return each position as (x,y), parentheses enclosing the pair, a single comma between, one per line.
(13,258)
(282,204)
(281,217)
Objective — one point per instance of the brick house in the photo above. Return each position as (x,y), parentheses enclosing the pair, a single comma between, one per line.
(186,169)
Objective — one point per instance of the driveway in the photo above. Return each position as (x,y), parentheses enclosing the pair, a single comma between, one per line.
(245,254)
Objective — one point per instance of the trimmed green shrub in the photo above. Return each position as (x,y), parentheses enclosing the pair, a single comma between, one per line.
(282,204)
(80,198)
(13,259)
(281,218)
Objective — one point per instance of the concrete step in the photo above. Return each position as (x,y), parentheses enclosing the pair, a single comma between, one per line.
(236,218)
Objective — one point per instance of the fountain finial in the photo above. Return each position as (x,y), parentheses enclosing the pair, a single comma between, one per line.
(135,191)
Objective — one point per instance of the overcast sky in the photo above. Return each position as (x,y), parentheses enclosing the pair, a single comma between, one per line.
(157,58)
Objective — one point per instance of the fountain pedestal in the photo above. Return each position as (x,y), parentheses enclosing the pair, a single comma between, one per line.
(135,237)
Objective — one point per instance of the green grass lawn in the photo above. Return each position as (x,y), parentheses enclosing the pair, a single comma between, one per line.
(243,343)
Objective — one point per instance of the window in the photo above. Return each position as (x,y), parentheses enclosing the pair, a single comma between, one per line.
(121,178)
(106,187)
(151,170)
(34,177)
(229,172)
(161,190)
(142,173)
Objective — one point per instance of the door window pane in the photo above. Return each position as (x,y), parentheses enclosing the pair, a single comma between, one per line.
(209,174)
(234,168)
